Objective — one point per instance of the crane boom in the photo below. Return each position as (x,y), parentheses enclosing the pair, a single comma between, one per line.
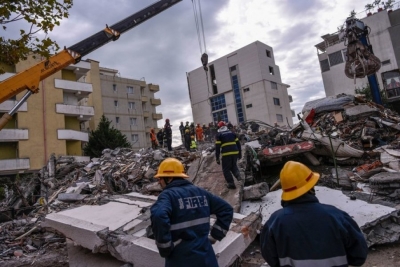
(30,78)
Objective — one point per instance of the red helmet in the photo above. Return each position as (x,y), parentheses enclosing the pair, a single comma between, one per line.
(221,123)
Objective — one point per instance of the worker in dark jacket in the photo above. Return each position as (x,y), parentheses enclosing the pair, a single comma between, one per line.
(160,137)
(227,144)
(182,131)
(168,134)
(187,139)
(181,219)
(306,232)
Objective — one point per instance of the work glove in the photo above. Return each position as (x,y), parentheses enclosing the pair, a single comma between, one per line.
(218,162)
(212,239)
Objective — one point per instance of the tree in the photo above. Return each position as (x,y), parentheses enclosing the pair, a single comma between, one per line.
(38,16)
(366,92)
(105,136)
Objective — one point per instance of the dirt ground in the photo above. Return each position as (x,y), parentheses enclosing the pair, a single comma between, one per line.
(379,256)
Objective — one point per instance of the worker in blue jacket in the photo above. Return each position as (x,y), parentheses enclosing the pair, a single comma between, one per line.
(306,232)
(228,146)
(180,219)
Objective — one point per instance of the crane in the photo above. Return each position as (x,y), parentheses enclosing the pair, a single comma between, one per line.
(30,78)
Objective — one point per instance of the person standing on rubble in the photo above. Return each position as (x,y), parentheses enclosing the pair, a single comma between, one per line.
(199,133)
(160,137)
(182,131)
(193,144)
(153,139)
(187,139)
(227,144)
(307,233)
(168,134)
(180,219)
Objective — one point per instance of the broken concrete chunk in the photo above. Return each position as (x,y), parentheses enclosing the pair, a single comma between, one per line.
(256,191)
(150,173)
(71,197)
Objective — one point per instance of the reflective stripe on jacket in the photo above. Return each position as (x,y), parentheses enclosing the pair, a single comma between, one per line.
(308,233)
(182,211)
(227,143)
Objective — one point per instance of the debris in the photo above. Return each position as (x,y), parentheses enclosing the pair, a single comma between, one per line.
(256,191)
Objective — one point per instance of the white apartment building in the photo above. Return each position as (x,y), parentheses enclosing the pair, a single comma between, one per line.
(243,85)
(385,40)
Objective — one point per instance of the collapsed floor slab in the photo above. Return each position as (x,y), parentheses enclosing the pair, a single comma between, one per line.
(120,229)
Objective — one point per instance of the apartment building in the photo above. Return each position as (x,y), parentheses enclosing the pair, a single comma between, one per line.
(69,104)
(385,40)
(242,85)
(130,105)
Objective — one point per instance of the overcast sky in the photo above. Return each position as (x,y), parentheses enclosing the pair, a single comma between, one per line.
(165,47)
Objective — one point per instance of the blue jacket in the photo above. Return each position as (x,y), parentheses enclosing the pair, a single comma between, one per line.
(182,211)
(227,144)
(308,233)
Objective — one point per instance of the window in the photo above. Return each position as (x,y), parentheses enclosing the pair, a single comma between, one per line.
(116,103)
(233,68)
(277,102)
(279,118)
(132,121)
(246,89)
(268,53)
(131,105)
(271,70)
(274,85)
(324,65)
(213,80)
(218,102)
(249,106)
(335,58)
(116,120)
(134,138)
(238,98)
(290,99)
(129,90)
(221,115)
(386,62)
(114,87)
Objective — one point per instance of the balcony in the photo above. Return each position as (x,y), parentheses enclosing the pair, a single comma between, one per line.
(290,99)
(157,116)
(6,106)
(83,113)
(146,114)
(64,134)
(155,101)
(145,99)
(13,135)
(80,69)
(81,90)
(14,165)
(153,87)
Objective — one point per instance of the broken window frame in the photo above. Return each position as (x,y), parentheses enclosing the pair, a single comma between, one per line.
(279,118)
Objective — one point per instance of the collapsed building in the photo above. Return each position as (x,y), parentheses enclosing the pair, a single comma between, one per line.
(103,206)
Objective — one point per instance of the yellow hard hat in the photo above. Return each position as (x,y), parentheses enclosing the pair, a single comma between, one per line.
(171,167)
(296,180)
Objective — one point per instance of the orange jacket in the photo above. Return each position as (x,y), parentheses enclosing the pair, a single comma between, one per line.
(199,133)
(153,136)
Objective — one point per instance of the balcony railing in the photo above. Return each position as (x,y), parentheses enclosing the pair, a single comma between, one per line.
(157,116)
(145,99)
(65,134)
(155,101)
(13,135)
(146,114)
(154,87)
(6,106)
(83,113)
(10,165)
(81,90)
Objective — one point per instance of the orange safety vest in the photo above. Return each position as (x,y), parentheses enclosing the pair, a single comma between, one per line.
(199,133)
(152,136)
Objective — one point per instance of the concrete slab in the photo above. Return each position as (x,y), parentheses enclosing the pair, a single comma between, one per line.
(112,215)
(140,204)
(138,195)
(82,232)
(361,211)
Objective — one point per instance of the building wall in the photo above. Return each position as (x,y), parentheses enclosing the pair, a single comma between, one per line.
(8,150)
(381,37)
(252,67)
(95,98)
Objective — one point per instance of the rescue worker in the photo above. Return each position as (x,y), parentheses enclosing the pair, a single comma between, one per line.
(187,139)
(307,233)
(187,126)
(193,144)
(182,131)
(180,219)
(168,134)
(199,133)
(192,129)
(254,127)
(160,137)
(227,144)
(205,132)
(153,139)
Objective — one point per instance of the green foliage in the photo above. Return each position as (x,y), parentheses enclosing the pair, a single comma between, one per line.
(38,15)
(105,136)
(366,92)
